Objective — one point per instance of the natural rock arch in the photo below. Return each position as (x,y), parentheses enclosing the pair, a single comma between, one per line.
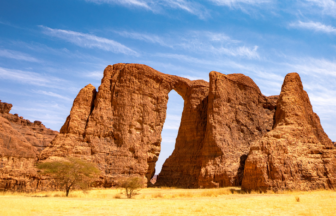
(119,127)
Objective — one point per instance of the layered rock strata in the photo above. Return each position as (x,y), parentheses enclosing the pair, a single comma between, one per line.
(296,154)
(20,143)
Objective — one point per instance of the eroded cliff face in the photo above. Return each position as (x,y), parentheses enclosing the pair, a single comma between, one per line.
(230,134)
(218,124)
(20,143)
(296,154)
(119,128)
(237,114)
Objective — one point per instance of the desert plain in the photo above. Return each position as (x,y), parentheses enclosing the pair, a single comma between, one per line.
(170,201)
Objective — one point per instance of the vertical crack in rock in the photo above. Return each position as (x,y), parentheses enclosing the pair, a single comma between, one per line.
(296,154)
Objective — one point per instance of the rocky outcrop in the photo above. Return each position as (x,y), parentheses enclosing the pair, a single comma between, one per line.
(230,133)
(20,143)
(237,115)
(34,132)
(119,128)
(5,107)
(217,126)
(296,154)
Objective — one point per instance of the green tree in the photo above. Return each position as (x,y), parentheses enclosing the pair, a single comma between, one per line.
(71,173)
(131,185)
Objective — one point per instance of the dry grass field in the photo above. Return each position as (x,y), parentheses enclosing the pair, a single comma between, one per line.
(169,201)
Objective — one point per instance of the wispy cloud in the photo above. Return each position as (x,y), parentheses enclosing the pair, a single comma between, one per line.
(212,43)
(316,68)
(156,5)
(17,55)
(52,94)
(150,38)
(95,75)
(328,6)
(88,40)
(232,3)
(242,51)
(63,52)
(128,3)
(31,78)
(315,26)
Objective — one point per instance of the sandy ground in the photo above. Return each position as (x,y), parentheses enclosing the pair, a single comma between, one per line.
(152,201)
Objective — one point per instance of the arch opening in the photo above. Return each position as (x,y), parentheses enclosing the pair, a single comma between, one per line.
(170,130)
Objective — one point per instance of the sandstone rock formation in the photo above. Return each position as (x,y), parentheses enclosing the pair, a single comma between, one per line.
(296,154)
(218,124)
(230,134)
(20,143)
(119,128)
(238,114)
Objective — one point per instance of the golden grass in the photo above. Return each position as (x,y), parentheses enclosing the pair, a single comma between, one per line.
(170,201)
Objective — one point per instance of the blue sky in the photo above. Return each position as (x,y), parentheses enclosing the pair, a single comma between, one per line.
(50,49)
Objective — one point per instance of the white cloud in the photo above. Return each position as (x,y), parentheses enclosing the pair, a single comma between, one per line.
(315,26)
(88,40)
(31,78)
(144,37)
(52,94)
(95,75)
(314,67)
(242,51)
(17,55)
(232,3)
(128,3)
(327,6)
(156,5)
(212,43)
(216,44)
(63,52)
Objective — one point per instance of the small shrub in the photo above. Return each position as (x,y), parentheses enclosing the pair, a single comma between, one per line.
(132,185)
